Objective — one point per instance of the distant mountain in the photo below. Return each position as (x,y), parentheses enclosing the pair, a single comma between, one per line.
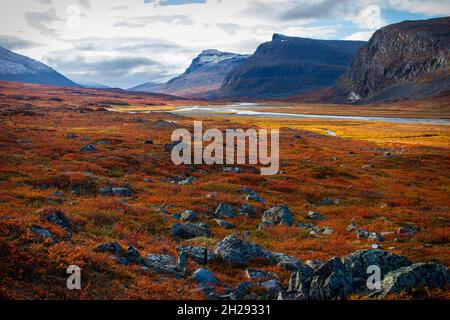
(410,59)
(17,68)
(92,85)
(203,78)
(287,66)
(148,87)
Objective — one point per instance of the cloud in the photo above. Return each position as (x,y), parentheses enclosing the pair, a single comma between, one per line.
(15,43)
(113,71)
(362,35)
(140,22)
(42,21)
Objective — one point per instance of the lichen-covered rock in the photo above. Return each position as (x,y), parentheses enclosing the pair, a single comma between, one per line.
(358,262)
(201,255)
(224,224)
(255,274)
(277,215)
(189,215)
(204,276)
(419,275)
(44,233)
(110,247)
(189,231)
(300,281)
(238,252)
(315,216)
(289,263)
(224,210)
(331,281)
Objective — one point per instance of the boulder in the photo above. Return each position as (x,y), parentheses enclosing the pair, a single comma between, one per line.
(259,275)
(224,224)
(133,256)
(409,230)
(88,148)
(241,290)
(44,233)
(122,192)
(224,210)
(186,182)
(362,234)
(287,262)
(247,210)
(352,227)
(331,281)
(239,252)
(110,247)
(189,215)
(233,169)
(251,195)
(189,231)
(315,216)
(201,255)
(204,276)
(277,215)
(300,281)
(358,262)
(419,275)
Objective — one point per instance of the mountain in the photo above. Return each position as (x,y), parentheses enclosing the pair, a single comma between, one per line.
(17,68)
(203,78)
(287,66)
(147,87)
(92,85)
(410,59)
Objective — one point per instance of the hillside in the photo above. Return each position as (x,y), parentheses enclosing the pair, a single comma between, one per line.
(18,68)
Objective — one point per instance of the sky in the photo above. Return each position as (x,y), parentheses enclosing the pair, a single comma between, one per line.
(123,43)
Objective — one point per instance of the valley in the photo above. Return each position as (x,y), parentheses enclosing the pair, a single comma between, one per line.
(108,176)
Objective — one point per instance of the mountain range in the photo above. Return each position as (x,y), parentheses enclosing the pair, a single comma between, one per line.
(407,60)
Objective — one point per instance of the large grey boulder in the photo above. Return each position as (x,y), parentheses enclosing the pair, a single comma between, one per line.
(358,262)
(419,275)
(331,281)
(277,215)
(189,231)
(238,252)
(201,255)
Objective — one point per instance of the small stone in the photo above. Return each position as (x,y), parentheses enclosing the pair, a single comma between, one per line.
(315,216)
(88,148)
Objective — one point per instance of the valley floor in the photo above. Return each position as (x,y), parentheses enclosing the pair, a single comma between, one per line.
(380,176)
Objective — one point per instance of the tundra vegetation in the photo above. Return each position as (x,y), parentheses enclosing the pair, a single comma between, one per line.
(81,185)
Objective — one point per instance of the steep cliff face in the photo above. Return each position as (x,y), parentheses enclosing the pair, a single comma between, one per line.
(408,59)
(288,65)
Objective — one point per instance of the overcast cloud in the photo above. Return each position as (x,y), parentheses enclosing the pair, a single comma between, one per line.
(122,43)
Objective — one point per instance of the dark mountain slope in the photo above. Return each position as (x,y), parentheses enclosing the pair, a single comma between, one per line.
(288,65)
